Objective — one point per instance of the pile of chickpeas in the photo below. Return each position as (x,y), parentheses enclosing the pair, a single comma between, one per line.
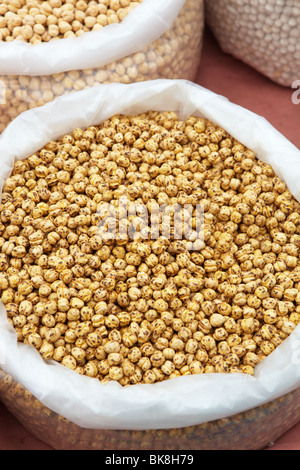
(36,21)
(143,309)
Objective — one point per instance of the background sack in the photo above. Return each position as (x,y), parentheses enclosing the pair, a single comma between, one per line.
(264,35)
(156,40)
(186,400)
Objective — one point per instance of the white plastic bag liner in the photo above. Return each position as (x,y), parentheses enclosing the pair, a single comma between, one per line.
(179,402)
(94,49)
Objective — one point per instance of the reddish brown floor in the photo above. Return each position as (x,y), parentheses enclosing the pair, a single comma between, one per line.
(242,85)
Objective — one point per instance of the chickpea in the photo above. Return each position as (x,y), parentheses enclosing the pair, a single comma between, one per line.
(39,25)
(143,310)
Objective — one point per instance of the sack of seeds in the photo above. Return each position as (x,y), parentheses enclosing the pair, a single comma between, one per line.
(49,49)
(145,332)
(264,35)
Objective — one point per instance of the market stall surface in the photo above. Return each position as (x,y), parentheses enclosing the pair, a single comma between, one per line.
(242,85)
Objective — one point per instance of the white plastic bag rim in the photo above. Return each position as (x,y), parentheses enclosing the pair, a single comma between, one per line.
(94,49)
(179,402)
